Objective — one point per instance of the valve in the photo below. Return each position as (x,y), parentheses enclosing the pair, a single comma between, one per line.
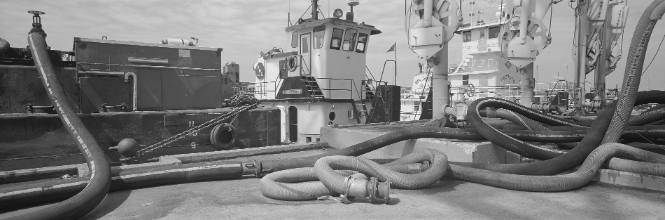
(37,21)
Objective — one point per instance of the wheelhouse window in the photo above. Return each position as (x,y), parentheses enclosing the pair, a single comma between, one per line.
(494,32)
(336,39)
(349,39)
(466,36)
(362,43)
(294,39)
(304,43)
(319,33)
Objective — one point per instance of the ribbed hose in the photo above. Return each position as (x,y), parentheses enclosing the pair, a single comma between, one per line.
(633,72)
(100,175)
(584,174)
(392,137)
(655,169)
(507,142)
(333,173)
(301,184)
(564,162)
(647,117)
(517,119)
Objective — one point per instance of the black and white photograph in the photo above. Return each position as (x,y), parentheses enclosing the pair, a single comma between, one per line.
(332,109)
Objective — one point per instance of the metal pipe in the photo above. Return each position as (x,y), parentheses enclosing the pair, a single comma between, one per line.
(580,70)
(525,14)
(126,75)
(427,12)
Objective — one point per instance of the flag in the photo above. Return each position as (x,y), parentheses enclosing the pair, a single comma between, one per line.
(392,48)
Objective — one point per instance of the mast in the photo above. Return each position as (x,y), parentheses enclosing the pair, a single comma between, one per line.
(315,9)
(580,71)
(604,58)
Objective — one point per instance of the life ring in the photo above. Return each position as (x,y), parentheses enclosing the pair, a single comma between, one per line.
(222,135)
(292,63)
(259,70)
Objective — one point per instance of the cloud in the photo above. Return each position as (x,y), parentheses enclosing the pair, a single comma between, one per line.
(245,27)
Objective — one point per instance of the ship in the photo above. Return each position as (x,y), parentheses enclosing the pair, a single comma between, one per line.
(494,165)
(320,81)
(143,92)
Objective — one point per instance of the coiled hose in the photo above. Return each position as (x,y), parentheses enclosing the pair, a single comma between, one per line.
(335,172)
(100,175)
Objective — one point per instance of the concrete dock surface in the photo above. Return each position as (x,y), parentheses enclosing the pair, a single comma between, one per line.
(448,199)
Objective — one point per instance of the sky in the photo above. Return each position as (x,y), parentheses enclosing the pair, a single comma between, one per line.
(244,28)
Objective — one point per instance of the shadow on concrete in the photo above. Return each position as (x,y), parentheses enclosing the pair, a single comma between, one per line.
(110,203)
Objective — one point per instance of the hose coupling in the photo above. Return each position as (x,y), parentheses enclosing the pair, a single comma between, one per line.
(359,186)
(252,167)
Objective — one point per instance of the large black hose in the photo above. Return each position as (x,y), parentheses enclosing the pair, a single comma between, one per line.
(505,141)
(100,174)
(584,174)
(566,161)
(633,73)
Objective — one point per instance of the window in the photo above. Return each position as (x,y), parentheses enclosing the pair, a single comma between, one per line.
(362,43)
(349,40)
(482,34)
(494,32)
(491,63)
(466,36)
(336,39)
(304,43)
(319,33)
(294,40)
(465,79)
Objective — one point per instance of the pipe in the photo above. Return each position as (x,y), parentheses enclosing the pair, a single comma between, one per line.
(563,182)
(95,191)
(126,75)
(524,19)
(428,6)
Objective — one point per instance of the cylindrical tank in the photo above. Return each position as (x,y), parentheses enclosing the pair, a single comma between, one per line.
(4,46)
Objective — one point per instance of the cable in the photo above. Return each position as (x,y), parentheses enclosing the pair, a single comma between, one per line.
(654,56)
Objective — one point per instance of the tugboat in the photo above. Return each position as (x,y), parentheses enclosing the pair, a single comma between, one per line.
(321,81)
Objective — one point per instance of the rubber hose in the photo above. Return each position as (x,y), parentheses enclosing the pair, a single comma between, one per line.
(517,119)
(633,73)
(100,175)
(647,117)
(566,161)
(301,184)
(582,176)
(298,184)
(655,169)
(529,150)
(333,172)
(268,166)
(325,166)
(508,142)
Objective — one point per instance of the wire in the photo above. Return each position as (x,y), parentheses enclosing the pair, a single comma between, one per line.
(654,56)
